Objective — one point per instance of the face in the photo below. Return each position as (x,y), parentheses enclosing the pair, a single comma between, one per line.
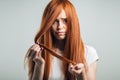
(59,27)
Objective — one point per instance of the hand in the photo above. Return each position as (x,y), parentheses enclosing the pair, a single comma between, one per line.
(35,54)
(76,69)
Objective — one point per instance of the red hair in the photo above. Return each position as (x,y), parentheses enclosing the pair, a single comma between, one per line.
(74,47)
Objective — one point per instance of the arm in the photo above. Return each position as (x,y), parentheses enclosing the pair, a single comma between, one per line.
(38,72)
(91,73)
(36,63)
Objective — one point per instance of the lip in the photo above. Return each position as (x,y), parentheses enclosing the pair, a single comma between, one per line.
(60,33)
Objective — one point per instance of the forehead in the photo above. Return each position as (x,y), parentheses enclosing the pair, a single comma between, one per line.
(62,14)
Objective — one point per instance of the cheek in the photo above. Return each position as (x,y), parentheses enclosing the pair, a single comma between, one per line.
(54,28)
(66,28)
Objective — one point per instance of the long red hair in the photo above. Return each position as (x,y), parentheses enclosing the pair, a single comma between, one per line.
(74,47)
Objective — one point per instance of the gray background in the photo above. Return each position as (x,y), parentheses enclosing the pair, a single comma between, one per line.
(20,19)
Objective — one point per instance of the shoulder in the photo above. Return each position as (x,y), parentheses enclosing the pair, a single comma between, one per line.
(91,54)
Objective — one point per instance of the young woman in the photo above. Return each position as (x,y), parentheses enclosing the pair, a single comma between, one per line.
(60,31)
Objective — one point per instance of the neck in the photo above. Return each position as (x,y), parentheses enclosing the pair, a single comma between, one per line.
(59,44)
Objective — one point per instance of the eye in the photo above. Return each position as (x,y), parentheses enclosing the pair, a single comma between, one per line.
(64,21)
(56,22)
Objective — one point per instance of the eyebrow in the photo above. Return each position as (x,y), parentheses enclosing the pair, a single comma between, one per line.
(62,19)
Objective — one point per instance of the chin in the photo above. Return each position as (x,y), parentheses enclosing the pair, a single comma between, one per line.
(60,37)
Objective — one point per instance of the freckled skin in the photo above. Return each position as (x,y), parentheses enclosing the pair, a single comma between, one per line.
(59,26)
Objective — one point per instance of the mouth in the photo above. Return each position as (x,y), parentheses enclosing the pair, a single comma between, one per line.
(60,33)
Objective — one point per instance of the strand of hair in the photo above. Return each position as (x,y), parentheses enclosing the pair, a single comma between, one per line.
(56,55)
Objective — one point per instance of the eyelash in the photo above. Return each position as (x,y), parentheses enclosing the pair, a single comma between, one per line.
(64,21)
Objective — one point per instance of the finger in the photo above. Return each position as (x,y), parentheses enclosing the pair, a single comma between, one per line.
(78,68)
(79,65)
(35,59)
(71,70)
(32,54)
(37,47)
(76,71)
(34,46)
(42,48)
(40,51)
(38,60)
(70,67)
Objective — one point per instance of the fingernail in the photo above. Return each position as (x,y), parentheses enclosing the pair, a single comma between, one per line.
(77,68)
(71,68)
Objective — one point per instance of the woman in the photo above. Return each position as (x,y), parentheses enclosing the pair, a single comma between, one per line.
(60,31)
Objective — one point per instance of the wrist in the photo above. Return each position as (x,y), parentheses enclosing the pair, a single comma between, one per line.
(39,61)
(84,74)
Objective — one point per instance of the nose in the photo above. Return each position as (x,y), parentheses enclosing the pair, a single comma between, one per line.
(61,25)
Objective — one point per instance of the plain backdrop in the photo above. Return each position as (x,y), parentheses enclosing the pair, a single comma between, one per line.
(20,20)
